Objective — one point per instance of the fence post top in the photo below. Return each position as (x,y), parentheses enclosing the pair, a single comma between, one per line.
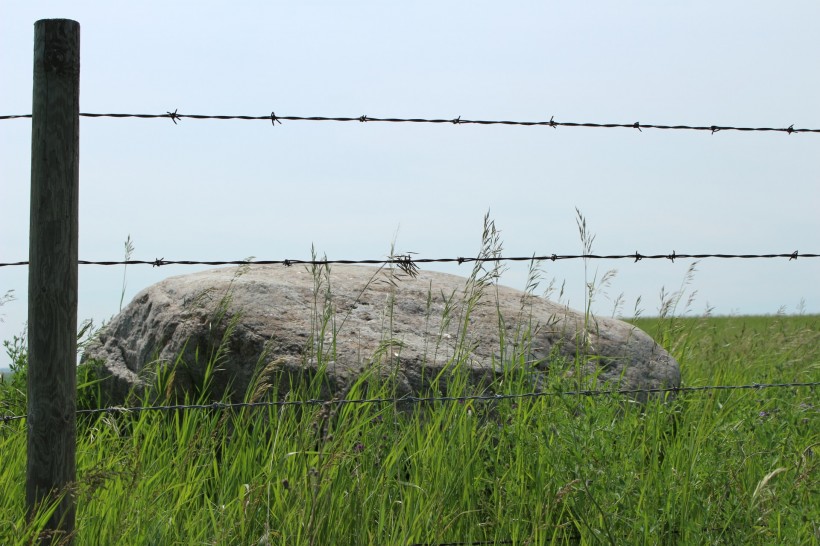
(57,21)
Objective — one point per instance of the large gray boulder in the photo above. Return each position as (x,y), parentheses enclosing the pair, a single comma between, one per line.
(348,319)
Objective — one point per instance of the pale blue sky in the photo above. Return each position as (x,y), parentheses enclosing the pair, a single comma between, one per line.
(228,190)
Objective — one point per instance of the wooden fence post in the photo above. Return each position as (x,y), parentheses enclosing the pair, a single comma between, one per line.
(52,281)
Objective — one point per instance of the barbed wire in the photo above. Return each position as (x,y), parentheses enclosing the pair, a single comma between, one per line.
(411,263)
(218,406)
(175,116)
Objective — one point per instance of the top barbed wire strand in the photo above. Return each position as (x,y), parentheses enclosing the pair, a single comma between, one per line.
(273,118)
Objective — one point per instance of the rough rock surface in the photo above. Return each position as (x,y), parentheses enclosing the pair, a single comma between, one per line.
(409,328)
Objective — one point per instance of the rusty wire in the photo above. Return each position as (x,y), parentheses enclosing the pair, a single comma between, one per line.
(175,116)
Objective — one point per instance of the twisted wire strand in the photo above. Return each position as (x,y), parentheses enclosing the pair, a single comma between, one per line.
(216,406)
(409,261)
(175,116)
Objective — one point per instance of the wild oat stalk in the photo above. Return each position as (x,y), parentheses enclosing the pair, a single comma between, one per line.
(129,252)
(486,271)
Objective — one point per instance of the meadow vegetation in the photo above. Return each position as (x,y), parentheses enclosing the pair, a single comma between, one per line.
(707,467)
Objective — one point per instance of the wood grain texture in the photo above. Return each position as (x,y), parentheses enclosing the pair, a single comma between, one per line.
(52,296)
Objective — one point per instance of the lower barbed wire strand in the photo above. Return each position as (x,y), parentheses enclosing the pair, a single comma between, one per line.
(408,261)
(432,399)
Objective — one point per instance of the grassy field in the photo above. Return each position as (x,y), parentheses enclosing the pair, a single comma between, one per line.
(711,467)
(735,466)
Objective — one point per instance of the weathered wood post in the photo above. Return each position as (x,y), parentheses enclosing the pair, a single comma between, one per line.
(52,281)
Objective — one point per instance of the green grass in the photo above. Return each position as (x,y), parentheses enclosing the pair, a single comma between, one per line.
(710,467)
(716,467)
